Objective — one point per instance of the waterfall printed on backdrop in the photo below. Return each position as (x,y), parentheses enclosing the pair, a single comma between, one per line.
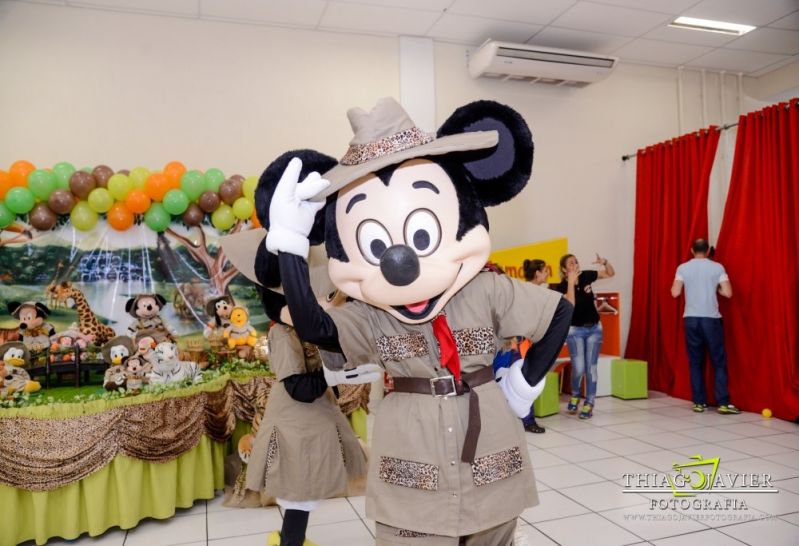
(107,267)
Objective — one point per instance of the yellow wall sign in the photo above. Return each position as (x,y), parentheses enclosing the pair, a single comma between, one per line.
(511,259)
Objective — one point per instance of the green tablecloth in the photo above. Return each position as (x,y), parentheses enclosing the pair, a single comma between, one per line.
(67,469)
(120,494)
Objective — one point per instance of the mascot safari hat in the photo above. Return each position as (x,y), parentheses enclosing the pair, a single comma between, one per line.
(239,248)
(386,135)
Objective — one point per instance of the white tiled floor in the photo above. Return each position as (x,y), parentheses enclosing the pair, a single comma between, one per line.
(579,466)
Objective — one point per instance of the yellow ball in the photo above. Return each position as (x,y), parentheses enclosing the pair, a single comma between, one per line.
(766,413)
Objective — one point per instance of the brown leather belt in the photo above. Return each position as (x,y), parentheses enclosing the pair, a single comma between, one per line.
(446,386)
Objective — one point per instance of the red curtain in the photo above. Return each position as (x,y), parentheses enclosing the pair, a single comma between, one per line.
(672,183)
(759,246)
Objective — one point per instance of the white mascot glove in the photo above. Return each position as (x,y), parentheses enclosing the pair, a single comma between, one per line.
(517,390)
(365,373)
(291,213)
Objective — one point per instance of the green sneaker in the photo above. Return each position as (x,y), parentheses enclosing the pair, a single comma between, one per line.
(700,408)
(728,409)
(587,411)
(572,407)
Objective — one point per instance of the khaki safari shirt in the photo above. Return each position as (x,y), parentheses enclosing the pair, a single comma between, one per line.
(416,480)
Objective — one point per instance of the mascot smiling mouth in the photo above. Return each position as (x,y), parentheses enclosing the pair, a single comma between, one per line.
(416,311)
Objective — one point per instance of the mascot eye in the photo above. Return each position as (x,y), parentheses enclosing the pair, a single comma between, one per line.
(422,232)
(373,240)
(331,296)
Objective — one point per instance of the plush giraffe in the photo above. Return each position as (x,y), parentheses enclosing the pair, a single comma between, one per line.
(87,321)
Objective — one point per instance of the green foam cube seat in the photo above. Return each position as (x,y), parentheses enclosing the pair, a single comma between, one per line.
(549,401)
(628,379)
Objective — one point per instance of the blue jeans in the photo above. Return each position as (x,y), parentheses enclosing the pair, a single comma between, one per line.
(706,333)
(584,343)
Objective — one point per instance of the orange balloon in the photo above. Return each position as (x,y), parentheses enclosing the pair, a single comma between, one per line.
(255,222)
(5,183)
(119,217)
(137,201)
(173,171)
(19,172)
(156,186)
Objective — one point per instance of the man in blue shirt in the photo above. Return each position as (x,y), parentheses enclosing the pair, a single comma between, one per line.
(702,279)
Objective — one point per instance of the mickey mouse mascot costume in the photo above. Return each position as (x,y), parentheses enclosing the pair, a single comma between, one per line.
(407,236)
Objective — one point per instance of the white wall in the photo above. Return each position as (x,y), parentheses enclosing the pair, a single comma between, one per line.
(90,86)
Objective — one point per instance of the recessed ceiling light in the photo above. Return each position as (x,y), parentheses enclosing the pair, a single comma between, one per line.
(711,26)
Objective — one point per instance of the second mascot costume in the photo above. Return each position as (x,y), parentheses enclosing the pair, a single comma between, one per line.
(305,450)
(407,235)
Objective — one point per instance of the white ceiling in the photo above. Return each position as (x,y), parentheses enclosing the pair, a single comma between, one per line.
(634,30)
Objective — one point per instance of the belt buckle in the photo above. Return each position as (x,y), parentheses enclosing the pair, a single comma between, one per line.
(451,380)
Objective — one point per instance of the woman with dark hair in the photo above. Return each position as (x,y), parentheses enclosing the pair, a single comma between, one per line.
(585,334)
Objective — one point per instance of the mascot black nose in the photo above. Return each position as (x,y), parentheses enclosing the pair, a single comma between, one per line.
(399,265)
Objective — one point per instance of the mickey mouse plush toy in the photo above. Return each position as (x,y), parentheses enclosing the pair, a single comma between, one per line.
(146,309)
(407,236)
(34,332)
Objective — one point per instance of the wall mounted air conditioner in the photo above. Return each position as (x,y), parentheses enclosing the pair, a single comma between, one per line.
(524,62)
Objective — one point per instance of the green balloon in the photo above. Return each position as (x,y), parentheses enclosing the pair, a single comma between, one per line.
(176,202)
(119,186)
(7,217)
(82,216)
(20,200)
(248,188)
(42,183)
(157,218)
(193,184)
(138,176)
(62,171)
(87,169)
(100,200)
(243,208)
(213,179)
(223,218)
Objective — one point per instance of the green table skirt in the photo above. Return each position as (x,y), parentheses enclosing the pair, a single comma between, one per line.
(120,494)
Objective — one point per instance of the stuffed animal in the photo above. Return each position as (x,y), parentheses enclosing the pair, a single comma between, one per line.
(117,350)
(167,368)
(69,339)
(34,332)
(136,369)
(14,355)
(218,310)
(239,331)
(146,309)
(115,378)
(145,343)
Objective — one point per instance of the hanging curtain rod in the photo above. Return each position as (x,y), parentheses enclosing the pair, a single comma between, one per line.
(722,128)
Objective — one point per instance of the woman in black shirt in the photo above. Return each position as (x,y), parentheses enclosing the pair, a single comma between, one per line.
(585,334)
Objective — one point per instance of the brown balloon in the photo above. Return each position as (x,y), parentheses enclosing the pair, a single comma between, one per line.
(101,174)
(237,177)
(82,183)
(193,216)
(209,201)
(42,218)
(229,191)
(124,171)
(61,201)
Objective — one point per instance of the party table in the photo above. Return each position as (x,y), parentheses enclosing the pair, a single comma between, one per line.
(71,468)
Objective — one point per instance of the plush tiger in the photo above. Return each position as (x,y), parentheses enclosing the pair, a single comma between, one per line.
(167,368)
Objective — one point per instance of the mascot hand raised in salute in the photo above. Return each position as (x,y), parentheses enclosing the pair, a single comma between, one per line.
(407,235)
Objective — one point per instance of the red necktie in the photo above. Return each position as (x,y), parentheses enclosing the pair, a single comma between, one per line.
(446,343)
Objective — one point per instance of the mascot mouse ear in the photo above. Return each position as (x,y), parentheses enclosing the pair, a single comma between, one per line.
(311,161)
(497,174)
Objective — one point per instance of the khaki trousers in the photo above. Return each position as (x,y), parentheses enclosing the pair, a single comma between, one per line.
(501,535)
